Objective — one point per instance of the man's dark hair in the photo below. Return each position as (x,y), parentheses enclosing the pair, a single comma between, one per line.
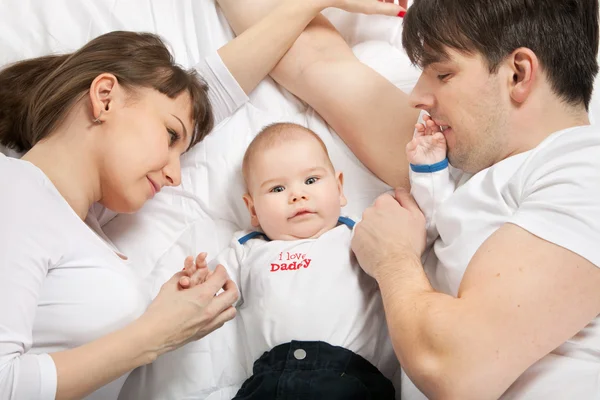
(562,33)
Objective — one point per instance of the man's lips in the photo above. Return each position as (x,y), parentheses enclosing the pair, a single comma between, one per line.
(442,124)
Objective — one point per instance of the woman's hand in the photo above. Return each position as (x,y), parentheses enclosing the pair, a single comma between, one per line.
(383,7)
(180,315)
(390,229)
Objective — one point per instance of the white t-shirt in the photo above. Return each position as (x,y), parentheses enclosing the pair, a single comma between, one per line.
(309,290)
(61,284)
(552,191)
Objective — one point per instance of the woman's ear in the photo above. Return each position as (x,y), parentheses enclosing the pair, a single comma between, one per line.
(102,94)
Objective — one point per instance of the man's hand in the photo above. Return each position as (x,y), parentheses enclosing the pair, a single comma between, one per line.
(390,229)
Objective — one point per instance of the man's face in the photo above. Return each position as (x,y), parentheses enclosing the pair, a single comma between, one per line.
(470,104)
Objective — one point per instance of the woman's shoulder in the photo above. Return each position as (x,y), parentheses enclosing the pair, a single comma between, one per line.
(26,194)
(18,175)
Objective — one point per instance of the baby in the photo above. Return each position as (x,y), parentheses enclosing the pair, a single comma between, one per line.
(310,317)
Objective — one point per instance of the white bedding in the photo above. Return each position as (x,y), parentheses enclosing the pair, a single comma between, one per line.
(202,214)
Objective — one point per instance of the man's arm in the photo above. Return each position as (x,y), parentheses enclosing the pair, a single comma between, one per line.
(367,111)
(520,298)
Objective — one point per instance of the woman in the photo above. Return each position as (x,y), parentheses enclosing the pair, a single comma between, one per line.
(107,124)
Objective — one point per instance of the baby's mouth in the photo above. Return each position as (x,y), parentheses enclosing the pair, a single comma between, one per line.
(301,212)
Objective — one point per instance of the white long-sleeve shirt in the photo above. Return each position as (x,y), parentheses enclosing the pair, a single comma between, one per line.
(61,285)
(431,185)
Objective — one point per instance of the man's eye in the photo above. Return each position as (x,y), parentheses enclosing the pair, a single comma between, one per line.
(311,180)
(277,189)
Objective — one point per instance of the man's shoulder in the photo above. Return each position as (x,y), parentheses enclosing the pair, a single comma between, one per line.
(571,141)
(565,151)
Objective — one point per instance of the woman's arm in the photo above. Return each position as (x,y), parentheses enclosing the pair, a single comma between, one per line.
(173,319)
(367,111)
(251,56)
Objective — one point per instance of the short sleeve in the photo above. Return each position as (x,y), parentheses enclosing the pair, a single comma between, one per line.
(224,92)
(559,194)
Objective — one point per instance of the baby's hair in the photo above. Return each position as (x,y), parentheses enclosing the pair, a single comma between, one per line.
(272,135)
(37,94)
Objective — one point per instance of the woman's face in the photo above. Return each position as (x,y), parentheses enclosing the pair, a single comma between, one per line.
(145,137)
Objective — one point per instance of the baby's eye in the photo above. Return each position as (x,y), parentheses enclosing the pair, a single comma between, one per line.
(277,189)
(311,180)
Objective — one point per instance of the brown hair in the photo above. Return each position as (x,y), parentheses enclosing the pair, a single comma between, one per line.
(37,94)
(272,135)
(563,34)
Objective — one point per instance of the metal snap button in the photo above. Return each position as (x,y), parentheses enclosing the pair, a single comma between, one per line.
(300,354)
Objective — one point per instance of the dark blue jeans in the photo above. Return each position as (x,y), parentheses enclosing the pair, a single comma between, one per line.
(314,370)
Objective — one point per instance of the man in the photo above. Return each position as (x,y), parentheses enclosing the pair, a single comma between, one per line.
(512,306)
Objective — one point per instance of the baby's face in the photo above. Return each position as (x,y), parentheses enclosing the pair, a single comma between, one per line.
(294,193)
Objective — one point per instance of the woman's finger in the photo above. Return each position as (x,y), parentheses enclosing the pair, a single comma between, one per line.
(372,7)
(215,281)
(226,298)
(227,315)
(185,282)
(188,264)
(199,276)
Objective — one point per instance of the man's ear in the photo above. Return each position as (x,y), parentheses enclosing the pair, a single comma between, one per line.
(340,181)
(101,95)
(524,65)
(250,205)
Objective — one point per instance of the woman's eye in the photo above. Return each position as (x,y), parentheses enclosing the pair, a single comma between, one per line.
(443,77)
(174,136)
(311,180)
(277,189)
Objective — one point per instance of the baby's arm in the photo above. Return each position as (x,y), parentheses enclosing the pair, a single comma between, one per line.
(430,179)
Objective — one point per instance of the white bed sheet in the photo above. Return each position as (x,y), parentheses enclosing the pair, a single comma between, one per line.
(202,214)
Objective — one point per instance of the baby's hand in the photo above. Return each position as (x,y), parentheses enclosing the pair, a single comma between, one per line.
(195,271)
(428,145)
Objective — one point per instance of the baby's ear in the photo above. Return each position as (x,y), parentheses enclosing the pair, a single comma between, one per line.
(250,205)
(339,176)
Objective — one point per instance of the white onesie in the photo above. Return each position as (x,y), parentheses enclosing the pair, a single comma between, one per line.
(307,290)
(431,185)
